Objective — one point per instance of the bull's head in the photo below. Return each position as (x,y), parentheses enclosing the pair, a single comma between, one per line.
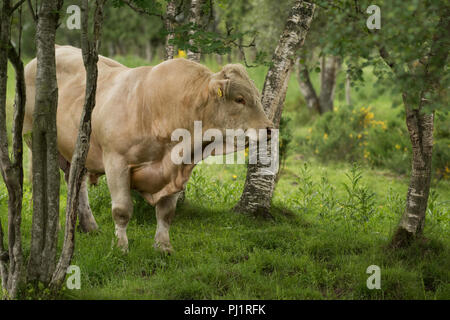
(235,103)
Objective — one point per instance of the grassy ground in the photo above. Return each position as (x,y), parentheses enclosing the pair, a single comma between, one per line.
(318,246)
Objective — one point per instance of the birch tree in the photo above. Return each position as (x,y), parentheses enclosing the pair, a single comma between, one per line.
(329,68)
(414,65)
(11,168)
(419,109)
(149,7)
(195,18)
(46,177)
(258,189)
(90,50)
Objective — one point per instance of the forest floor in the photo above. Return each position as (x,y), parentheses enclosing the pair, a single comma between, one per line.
(318,246)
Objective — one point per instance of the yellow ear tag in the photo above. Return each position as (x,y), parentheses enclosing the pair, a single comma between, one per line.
(219,92)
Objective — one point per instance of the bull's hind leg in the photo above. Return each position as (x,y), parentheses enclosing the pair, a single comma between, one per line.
(85,216)
(118,178)
(165,210)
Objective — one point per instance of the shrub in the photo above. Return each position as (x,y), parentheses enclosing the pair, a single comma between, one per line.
(351,134)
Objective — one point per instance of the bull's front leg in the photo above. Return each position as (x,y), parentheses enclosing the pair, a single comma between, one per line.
(118,178)
(86,218)
(165,210)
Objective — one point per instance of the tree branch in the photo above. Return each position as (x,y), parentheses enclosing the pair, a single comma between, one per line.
(140,10)
(33,13)
(17,5)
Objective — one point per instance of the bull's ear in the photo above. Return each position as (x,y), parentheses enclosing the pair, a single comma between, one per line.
(219,88)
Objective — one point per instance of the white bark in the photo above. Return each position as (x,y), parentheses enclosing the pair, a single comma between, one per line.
(258,190)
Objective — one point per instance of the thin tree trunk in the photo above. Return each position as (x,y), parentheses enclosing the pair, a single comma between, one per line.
(258,189)
(306,87)
(77,167)
(46,178)
(329,69)
(11,169)
(169,22)
(348,89)
(420,126)
(195,18)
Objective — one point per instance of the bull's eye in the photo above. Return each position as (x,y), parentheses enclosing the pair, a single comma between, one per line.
(240,100)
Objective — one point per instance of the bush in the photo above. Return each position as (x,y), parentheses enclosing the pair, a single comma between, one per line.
(351,134)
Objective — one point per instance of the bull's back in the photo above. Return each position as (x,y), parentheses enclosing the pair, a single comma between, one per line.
(71,79)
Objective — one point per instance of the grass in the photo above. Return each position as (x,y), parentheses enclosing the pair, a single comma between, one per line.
(316,247)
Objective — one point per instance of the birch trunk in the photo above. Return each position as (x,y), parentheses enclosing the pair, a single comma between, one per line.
(420,126)
(329,69)
(348,90)
(12,275)
(77,167)
(169,23)
(258,189)
(306,87)
(195,17)
(46,178)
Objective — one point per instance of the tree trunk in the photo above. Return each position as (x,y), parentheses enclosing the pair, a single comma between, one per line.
(169,23)
(77,166)
(348,90)
(46,178)
(195,18)
(306,87)
(258,189)
(329,69)
(11,169)
(420,126)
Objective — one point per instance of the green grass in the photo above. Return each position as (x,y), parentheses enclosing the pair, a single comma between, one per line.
(306,252)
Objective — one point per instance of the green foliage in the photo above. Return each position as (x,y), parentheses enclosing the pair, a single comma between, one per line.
(351,134)
(406,35)
(359,203)
(284,138)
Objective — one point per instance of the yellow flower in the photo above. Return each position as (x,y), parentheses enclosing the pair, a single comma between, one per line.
(405,149)
(366,154)
(351,135)
(325,136)
(447,169)
(336,109)
(316,151)
(234,177)
(397,146)
(359,136)
(181,54)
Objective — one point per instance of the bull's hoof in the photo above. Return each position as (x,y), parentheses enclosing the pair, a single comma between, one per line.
(88,226)
(120,244)
(163,247)
(87,223)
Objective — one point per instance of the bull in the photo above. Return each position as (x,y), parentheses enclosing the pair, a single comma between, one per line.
(136,111)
